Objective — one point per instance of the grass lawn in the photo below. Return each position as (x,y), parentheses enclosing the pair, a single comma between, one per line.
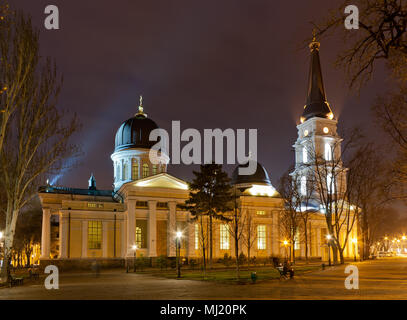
(229,275)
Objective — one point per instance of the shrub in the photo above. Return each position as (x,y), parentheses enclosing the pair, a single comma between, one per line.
(242,258)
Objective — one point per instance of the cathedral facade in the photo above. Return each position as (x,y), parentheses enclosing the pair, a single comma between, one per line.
(143,213)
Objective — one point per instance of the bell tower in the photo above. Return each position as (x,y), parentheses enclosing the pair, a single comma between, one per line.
(317,131)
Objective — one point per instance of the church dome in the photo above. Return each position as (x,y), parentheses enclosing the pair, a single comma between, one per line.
(259,177)
(135,132)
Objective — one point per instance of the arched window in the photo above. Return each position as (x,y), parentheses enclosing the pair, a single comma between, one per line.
(304,154)
(146,170)
(134,169)
(328,152)
(125,171)
(303,185)
(154,169)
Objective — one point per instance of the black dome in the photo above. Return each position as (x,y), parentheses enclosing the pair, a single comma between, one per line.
(135,133)
(260,176)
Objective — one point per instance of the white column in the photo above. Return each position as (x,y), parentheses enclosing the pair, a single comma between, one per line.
(63,236)
(171,225)
(46,233)
(123,239)
(104,239)
(319,242)
(275,235)
(131,226)
(84,239)
(152,229)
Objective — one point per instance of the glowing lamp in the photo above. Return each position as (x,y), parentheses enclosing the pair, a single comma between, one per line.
(306,133)
(328,236)
(354,240)
(285,242)
(179,234)
(326,130)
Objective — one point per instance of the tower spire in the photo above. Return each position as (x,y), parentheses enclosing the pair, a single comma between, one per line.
(140,108)
(316,105)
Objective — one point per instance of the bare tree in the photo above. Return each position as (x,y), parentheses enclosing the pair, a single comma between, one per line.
(249,234)
(381,37)
(236,228)
(36,140)
(290,217)
(336,188)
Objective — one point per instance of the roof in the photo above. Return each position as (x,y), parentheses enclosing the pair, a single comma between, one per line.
(76,191)
(260,176)
(316,105)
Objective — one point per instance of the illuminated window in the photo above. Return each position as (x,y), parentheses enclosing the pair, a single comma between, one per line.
(134,169)
(261,212)
(261,237)
(326,130)
(125,171)
(154,169)
(306,133)
(328,152)
(304,154)
(95,234)
(138,237)
(303,185)
(196,236)
(92,205)
(224,237)
(146,170)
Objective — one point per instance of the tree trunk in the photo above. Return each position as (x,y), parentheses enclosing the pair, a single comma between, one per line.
(210,242)
(306,242)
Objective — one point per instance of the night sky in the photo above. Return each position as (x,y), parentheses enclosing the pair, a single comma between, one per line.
(210,64)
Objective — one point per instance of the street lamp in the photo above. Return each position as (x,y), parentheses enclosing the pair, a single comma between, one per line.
(1,245)
(135,256)
(178,248)
(328,237)
(354,241)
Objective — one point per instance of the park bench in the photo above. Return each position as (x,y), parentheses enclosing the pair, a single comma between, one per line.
(283,273)
(34,274)
(14,281)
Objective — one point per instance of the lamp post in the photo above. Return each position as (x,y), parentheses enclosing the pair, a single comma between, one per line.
(178,248)
(328,237)
(135,256)
(1,245)
(354,241)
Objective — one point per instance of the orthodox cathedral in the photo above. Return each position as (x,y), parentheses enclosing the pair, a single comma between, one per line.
(142,214)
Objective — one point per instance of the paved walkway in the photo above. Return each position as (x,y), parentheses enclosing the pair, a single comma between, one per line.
(379,279)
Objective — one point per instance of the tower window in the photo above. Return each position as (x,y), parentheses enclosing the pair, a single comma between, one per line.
(304,154)
(146,170)
(154,169)
(330,183)
(224,237)
(328,152)
(326,130)
(134,169)
(303,185)
(261,237)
